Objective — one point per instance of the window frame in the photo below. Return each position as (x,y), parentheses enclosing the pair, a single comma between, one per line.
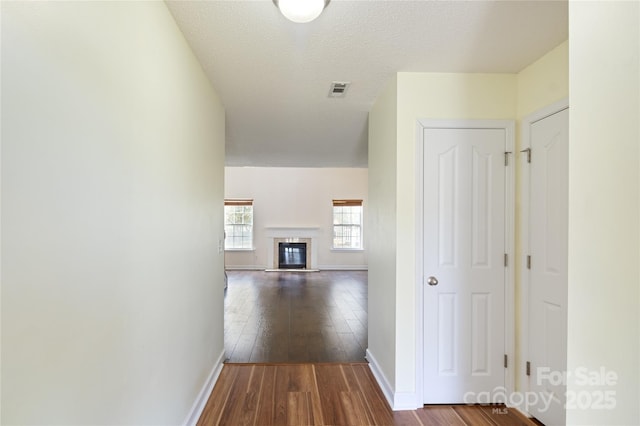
(360,226)
(235,202)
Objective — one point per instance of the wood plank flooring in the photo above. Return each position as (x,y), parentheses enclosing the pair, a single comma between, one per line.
(280,317)
(327,394)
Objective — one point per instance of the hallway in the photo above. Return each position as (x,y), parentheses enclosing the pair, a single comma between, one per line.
(328,394)
(294,317)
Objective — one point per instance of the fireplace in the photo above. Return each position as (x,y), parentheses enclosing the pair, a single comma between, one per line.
(307,236)
(292,255)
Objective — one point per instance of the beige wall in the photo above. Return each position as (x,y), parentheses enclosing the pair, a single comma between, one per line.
(544,82)
(296,197)
(382,224)
(601,64)
(604,211)
(433,96)
(112,188)
(415,96)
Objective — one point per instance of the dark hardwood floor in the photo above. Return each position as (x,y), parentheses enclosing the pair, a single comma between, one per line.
(305,335)
(281,317)
(327,394)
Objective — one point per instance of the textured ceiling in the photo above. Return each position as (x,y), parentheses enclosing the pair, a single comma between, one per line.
(273,76)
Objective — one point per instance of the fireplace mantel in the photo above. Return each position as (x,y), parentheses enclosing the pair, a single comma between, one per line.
(289,232)
(277,234)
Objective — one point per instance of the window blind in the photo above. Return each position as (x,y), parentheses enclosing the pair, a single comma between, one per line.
(238,202)
(347,203)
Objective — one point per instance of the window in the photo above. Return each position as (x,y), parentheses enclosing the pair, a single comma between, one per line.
(238,224)
(347,224)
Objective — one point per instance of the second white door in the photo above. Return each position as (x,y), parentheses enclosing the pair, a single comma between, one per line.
(548,238)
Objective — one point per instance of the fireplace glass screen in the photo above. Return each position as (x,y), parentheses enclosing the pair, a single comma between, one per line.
(292,255)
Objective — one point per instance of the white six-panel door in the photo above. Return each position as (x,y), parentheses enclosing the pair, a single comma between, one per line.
(464,250)
(548,234)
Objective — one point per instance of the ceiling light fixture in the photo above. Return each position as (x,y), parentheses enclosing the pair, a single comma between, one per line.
(301,11)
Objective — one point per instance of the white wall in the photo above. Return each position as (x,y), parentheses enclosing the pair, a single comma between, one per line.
(112,188)
(296,197)
(604,211)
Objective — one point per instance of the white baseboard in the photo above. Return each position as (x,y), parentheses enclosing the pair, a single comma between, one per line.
(397,400)
(406,401)
(343,267)
(322,268)
(244,268)
(205,392)
(384,384)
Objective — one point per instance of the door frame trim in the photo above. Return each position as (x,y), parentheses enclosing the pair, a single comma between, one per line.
(509,127)
(523,231)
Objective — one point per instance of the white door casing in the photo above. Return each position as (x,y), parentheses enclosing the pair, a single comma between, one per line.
(467,224)
(547,267)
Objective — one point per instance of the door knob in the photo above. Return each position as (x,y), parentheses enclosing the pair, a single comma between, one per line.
(432,281)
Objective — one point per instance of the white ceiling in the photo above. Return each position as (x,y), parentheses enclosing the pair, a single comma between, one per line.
(273,76)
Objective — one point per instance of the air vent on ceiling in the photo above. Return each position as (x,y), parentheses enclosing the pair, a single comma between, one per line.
(339,89)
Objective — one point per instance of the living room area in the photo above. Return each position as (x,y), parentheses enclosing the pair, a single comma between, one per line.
(296,203)
(295,260)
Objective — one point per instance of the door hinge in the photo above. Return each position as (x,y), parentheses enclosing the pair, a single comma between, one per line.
(528,151)
(528,368)
(506,260)
(506,158)
(529,262)
(506,359)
